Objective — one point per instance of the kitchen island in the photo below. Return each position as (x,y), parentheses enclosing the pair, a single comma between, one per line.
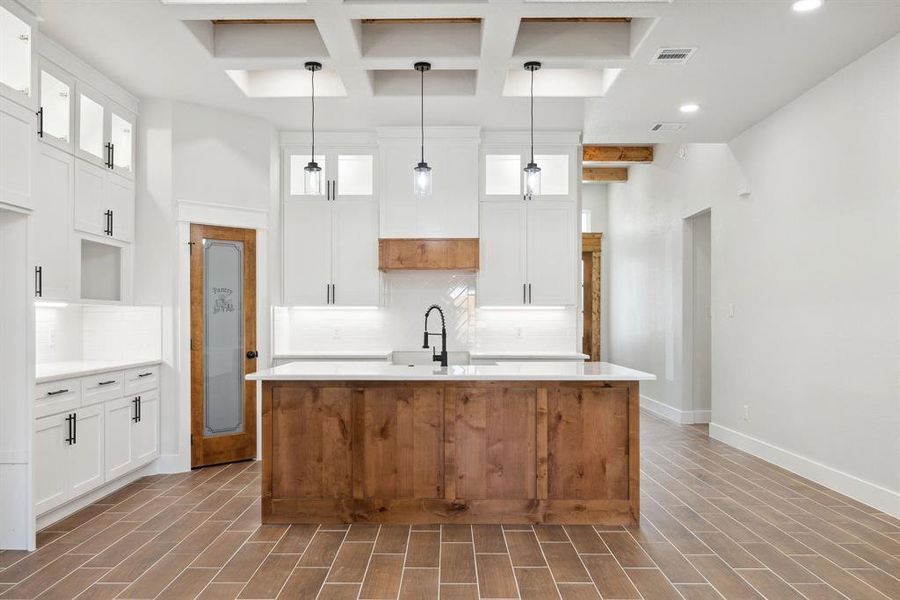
(537,442)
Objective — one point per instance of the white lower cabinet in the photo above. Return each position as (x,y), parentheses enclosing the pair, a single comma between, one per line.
(68,456)
(132,432)
(528,253)
(97,437)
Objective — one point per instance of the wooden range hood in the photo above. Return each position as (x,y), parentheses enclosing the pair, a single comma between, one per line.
(428,254)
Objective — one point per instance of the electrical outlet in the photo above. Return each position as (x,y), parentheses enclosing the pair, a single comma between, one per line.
(336,334)
(518,333)
(746,412)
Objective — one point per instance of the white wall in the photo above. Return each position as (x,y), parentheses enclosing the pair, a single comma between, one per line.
(811,262)
(196,165)
(595,198)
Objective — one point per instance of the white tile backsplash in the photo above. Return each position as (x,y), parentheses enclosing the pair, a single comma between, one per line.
(398,325)
(97,333)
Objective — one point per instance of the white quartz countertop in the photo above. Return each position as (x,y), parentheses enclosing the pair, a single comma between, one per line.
(526,355)
(337,355)
(505,371)
(80,368)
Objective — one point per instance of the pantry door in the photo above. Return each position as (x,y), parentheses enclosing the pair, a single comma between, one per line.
(223,344)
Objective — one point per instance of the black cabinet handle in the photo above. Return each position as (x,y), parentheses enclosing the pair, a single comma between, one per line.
(107,382)
(107,147)
(134,416)
(529,293)
(111,222)
(38,281)
(112,156)
(147,374)
(108,215)
(524,293)
(139,409)
(70,439)
(74,428)
(40,120)
(333,294)
(57,392)
(251,354)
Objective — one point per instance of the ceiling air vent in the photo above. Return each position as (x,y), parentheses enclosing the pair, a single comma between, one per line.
(657,127)
(672,56)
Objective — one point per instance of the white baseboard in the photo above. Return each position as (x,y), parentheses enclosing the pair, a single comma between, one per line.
(670,413)
(61,512)
(869,493)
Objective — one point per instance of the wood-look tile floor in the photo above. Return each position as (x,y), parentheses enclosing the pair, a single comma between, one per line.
(716,523)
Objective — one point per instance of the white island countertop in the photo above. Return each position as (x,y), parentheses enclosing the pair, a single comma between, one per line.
(505,371)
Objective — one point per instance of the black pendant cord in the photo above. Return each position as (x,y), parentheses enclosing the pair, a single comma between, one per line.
(532,115)
(312,80)
(422,109)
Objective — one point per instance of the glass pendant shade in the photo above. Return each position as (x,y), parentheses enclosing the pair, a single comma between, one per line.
(532,179)
(312,179)
(422,179)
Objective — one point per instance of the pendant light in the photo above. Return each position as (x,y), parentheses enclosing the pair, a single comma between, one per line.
(312,172)
(532,171)
(422,172)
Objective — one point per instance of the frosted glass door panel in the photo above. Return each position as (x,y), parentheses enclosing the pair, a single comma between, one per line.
(297,164)
(355,175)
(223,340)
(15,52)
(90,126)
(55,101)
(554,174)
(502,173)
(120,136)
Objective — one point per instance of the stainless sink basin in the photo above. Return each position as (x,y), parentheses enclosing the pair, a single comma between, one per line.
(423,357)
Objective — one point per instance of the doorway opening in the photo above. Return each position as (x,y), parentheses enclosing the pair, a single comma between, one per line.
(698,314)
(223,344)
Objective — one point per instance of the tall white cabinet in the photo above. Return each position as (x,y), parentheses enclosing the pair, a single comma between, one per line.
(330,240)
(529,245)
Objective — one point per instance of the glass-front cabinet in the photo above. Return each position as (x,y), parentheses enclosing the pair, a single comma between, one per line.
(15,56)
(55,118)
(105,132)
(504,176)
(346,175)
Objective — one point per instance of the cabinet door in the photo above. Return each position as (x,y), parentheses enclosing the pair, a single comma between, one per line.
(307,252)
(85,456)
(355,272)
(53,222)
(89,198)
(399,204)
(552,248)
(146,431)
(15,55)
(118,441)
(90,125)
(17,152)
(355,176)
(55,98)
(121,136)
(118,196)
(50,471)
(295,187)
(501,278)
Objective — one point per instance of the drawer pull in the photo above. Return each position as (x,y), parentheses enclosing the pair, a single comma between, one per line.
(57,392)
(107,382)
(148,374)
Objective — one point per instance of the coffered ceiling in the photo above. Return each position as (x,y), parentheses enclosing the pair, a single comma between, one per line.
(599,75)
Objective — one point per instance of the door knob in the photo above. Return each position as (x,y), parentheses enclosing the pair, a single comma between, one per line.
(252,354)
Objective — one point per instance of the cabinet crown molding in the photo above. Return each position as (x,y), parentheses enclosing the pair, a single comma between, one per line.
(437,132)
(541,138)
(342,139)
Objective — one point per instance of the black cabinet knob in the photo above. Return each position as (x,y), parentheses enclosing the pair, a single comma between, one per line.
(252,354)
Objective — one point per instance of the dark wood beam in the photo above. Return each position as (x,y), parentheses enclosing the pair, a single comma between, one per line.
(604,174)
(594,153)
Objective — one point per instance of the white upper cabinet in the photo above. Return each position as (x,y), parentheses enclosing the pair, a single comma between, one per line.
(451,211)
(54,242)
(15,56)
(306,252)
(91,121)
(104,132)
(104,202)
(56,110)
(16,154)
(504,175)
(354,264)
(355,176)
(296,184)
(502,279)
(552,251)
(556,174)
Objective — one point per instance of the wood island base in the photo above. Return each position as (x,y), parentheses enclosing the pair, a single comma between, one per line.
(450,452)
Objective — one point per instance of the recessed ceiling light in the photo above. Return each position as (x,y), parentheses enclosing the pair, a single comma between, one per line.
(806,5)
(689,108)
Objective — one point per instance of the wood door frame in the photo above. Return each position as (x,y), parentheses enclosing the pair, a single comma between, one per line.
(209,451)
(591,253)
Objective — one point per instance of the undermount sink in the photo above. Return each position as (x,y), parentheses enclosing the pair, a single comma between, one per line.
(423,357)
